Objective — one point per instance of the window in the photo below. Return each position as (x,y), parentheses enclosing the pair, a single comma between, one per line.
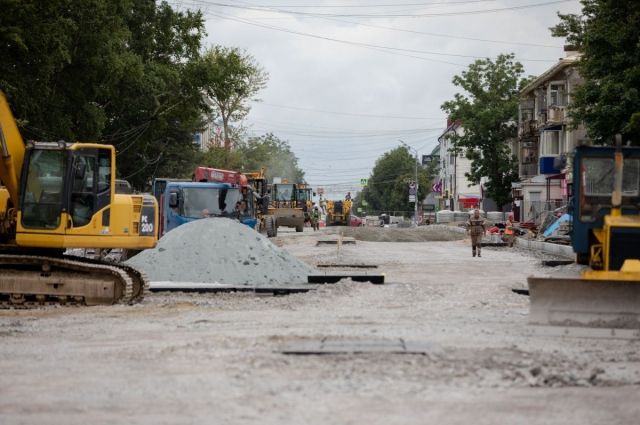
(42,198)
(550,143)
(83,190)
(104,171)
(557,94)
(598,184)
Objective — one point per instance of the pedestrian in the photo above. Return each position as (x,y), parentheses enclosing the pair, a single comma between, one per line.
(348,196)
(476,229)
(315,219)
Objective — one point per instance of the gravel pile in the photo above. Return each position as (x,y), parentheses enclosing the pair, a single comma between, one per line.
(396,234)
(220,250)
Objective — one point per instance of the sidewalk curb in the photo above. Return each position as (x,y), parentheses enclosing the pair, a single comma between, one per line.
(549,248)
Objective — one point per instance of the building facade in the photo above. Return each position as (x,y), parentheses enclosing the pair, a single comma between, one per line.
(546,141)
(456,191)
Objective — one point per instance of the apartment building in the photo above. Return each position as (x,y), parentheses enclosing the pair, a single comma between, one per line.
(456,191)
(546,141)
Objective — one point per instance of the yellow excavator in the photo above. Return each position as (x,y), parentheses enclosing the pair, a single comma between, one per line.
(56,196)
(606,235)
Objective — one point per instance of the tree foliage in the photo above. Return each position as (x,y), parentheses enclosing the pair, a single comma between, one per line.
(123,72)
(266,151)
(607,35)
(488,111)
(388,187)
(232,78)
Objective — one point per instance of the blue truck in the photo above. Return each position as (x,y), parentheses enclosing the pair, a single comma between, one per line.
(184,201)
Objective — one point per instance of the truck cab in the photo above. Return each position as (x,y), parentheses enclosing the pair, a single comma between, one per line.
(185,201)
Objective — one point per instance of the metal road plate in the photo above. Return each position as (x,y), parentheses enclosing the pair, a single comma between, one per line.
(358,346)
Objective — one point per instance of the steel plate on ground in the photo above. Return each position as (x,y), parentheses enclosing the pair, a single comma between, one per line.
(329,346)
(376,279)
(219,287)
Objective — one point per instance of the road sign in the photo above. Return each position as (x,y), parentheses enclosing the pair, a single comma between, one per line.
(412,198)
(364,203)
(321,191)
(413,188)
(364,182)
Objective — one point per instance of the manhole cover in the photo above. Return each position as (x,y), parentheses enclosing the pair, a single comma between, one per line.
(357,346)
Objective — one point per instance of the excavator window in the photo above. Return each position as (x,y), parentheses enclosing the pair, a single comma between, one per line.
(42,200)
(597,185)
(83,191)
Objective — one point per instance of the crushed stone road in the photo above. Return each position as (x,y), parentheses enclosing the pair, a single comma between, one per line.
(209,359)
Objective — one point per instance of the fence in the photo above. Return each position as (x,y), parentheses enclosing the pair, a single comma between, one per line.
(536,210)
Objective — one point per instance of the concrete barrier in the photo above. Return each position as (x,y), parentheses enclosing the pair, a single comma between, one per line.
(549,248)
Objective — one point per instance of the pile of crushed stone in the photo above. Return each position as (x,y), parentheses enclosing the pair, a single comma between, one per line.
(220,250)
(435,233)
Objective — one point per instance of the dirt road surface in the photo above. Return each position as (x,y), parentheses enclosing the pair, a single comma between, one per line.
(217,359)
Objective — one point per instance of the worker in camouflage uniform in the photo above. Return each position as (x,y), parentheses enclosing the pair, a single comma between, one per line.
(476,230)
(315,218)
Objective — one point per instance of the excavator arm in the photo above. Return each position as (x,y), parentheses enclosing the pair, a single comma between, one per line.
(12,149)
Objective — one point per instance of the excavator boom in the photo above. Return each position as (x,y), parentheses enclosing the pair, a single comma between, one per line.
(12,147)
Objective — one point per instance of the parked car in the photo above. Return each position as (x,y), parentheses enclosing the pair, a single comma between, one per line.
(355,221)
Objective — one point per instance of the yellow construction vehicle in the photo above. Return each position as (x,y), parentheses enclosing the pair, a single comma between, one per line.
(289,204)
(266,221)
(606,235)
(57,196)
(338,213)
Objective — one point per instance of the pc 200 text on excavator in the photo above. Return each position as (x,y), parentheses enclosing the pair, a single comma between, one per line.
(61,195)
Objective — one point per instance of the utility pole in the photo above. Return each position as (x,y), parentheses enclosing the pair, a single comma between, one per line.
(415,203)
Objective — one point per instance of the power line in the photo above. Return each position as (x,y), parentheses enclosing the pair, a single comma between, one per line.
(348,113)
(336,6)
(364,15)
(386,49)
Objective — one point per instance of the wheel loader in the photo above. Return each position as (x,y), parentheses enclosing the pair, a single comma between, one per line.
(606,235)
(338,213)
(55,196)
(289,204)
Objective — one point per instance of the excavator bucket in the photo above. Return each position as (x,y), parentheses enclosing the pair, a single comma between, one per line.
(584,302)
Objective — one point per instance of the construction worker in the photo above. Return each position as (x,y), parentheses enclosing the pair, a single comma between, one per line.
(509,234)
(348,196)
(315,218)
(476,229)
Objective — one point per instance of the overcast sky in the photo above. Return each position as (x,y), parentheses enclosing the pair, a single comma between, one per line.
(342,104)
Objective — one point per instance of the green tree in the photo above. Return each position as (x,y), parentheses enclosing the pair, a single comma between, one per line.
(607,35)
(116,71)
(488,111)
(232,78)
(388,185)
(220,157)
(275,155)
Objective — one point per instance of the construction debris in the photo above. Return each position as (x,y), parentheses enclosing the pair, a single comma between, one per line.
(223,251)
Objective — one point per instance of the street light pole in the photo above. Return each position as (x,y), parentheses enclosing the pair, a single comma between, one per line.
(415,203)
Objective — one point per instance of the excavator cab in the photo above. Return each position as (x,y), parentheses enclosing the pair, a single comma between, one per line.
(59,180)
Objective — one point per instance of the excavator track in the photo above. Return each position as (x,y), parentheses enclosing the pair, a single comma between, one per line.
(34,280)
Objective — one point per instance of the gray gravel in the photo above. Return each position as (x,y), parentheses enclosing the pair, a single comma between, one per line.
(220,250)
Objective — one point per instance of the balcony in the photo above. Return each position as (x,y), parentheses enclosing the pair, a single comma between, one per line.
(527,128)
(528,170)
(556,114)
